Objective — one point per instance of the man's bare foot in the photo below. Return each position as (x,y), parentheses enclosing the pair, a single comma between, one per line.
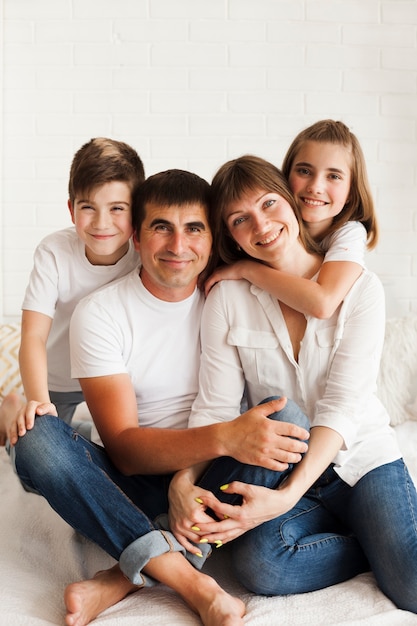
(215,606)
(87,599)
(8,412)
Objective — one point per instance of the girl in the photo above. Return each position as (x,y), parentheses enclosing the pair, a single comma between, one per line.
(326,171)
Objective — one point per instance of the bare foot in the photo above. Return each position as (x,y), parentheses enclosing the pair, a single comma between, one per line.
(215,606)
(87,599)
(8,412)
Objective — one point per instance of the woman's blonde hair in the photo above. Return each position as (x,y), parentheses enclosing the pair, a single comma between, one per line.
(360,204)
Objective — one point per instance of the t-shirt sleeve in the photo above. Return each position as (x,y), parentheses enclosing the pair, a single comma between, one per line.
(347,244)
(42,290)
(96,342)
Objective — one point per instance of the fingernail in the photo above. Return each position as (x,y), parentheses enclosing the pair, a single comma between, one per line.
(199,554)
(203,541)
(223,487)
(196,528)
(218,543)
(199,500)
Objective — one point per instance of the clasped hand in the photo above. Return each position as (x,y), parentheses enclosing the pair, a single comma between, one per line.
(191,524)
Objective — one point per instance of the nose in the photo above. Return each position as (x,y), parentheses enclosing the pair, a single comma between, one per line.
(315,185)
(177,243)
(259,222)
(101,220)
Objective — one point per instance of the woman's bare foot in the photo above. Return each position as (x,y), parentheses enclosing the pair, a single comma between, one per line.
(8,412)
(215,606)
(87,599)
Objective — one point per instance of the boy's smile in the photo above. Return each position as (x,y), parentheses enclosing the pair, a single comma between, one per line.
(103,221)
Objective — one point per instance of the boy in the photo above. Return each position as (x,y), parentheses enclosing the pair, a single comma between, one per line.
(68,265)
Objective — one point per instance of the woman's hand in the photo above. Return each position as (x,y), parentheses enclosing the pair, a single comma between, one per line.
(260,504)
(186,512)
(225,272)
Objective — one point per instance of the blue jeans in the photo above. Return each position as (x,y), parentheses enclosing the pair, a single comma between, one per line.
(336,532)
(124,515)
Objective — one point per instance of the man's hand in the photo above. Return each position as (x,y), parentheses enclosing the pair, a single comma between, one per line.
(255,439)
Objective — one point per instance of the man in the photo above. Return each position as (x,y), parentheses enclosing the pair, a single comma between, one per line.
(135,348)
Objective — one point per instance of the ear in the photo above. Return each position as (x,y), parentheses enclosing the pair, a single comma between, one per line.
(136,242)
(71,210)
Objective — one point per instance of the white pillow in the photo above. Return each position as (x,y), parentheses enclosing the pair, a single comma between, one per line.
(397,380)
(9,362)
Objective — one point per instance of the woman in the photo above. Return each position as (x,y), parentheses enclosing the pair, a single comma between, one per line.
(349,505)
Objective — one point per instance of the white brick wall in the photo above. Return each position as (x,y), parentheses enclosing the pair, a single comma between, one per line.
(192,83)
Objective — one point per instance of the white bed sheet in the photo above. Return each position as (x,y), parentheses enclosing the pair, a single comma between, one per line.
(40,554)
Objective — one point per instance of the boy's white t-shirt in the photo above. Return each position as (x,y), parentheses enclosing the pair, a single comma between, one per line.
(123,328)
(348,243)
(60,278)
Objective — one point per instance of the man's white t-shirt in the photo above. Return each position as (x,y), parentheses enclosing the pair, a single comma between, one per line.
(61,276)
(123,328)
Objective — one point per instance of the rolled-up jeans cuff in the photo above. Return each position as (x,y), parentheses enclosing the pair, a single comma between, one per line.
(135,557)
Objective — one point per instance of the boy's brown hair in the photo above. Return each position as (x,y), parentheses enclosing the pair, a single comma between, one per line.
(102,160)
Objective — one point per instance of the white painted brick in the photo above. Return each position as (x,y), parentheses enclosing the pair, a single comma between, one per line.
(228,30)
(341,57)
(304,80)
(392,104)
(77,79)
(150,78)
(88,9)
(32,10)
(87,124)
(73,31)
(228,79)
(303,32)
(188,54)
(187,102)
(113,54)
(15,77)
(399,58)
(16,124)
(272,102)
(342,12)
(268,55)
(379,35)
(33,54)
(150,30)
(105,102)
(190,9)
(266,9)
(340,105)
(228,126)
(397,12)
(154,125)
(17,31)
(398,152)
(382,81)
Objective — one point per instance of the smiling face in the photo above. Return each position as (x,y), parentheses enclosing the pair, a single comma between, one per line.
(320,178)
(175,246)
(264,225)
(103,221)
